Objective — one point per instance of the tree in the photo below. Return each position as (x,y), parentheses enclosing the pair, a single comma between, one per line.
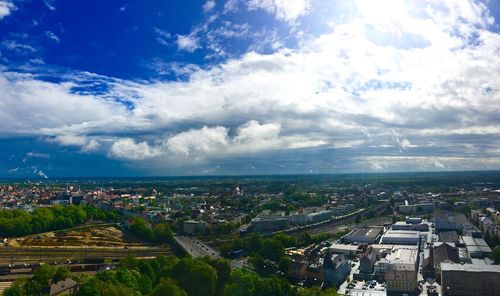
(358,219)
(168,287)
(495,254)
(272,249)
(223,268)
(61,273)
(242,284)
(188,271)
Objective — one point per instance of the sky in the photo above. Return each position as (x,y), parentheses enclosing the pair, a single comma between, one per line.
(241,87)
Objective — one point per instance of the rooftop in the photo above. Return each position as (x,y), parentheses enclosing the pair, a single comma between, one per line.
(371,232)
(470,267)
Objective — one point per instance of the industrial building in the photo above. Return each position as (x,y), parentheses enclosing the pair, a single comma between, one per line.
(476,247)
(347,250)
(402,225)
(401,237)
(439,253)
(448,236)
(470,279)
(370,235)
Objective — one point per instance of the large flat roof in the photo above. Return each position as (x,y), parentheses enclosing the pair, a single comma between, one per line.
(402,233)
(371,232)
(470,267)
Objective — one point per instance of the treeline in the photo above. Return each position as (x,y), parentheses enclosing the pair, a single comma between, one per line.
(40,283)
(20,222)
(157,233)
(168,276)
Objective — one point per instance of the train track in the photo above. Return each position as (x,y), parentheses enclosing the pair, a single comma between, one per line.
(9,255)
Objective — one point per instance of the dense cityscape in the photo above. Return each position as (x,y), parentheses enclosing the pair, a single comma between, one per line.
(381,234)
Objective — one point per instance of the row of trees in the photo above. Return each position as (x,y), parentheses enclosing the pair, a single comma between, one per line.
(167,276)
(40,283)
(158,233)
(20,222)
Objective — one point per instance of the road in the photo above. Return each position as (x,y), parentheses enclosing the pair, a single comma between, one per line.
(196,248)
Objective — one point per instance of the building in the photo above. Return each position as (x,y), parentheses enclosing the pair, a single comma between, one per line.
(297,270)
(343,209)
(401,237)
(402,225)
(335,269)
(367,260)
(370,235)
(439,253)
(401,273)
(347,250)
(448,221)
(299,219)
(64,287)
(320,216)
(267,222)
(417,208)
(470,279)
(448,237)
(476,247)
(413,220)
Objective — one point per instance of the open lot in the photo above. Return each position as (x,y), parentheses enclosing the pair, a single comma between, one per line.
(95,235)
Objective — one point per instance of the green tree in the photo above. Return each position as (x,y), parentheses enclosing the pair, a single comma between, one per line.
(168,287)
(272,249)
(61,273)
(495,254)
(188,271)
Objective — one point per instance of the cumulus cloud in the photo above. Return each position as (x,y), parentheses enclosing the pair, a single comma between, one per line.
(6,8)
(128,149)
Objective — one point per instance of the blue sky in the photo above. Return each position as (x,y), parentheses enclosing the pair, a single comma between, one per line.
(151,88)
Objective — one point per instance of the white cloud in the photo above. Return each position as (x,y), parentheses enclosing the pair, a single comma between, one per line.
(128,149)
(188,43)
(6,8)
(86,144)
(230,6)
(286,10)
(199,142)
(208,6)
(52,36)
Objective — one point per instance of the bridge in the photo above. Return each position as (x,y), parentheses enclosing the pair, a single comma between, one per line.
(195,247)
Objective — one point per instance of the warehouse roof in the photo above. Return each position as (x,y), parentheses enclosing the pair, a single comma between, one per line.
(470,267)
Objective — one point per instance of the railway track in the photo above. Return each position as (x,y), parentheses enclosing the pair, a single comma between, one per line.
(49,255)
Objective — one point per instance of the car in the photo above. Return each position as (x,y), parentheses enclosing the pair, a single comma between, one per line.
(364,288)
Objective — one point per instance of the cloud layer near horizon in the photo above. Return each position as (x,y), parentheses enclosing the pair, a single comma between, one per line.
(411,86)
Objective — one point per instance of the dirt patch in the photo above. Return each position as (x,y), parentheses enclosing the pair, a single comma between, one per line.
(100,236)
